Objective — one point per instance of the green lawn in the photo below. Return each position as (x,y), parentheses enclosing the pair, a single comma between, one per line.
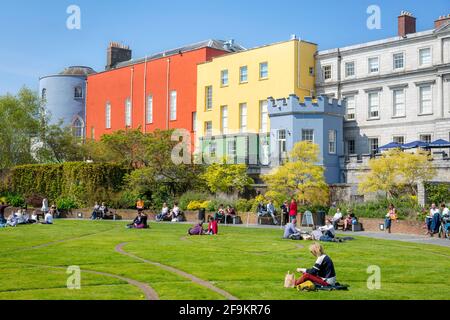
(248,263)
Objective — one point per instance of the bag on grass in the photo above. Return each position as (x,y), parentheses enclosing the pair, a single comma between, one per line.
(306,286)
(289,280)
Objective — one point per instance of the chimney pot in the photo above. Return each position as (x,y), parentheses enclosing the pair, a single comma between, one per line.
(442,21)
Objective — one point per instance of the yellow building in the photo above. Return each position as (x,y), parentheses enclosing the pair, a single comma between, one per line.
(232,92)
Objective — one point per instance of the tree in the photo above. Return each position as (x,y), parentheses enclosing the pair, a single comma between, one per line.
(20,122)
(227,178)
(58,145)
(300,177)
(397,172)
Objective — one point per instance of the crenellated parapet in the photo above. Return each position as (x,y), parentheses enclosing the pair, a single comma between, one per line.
(293,105)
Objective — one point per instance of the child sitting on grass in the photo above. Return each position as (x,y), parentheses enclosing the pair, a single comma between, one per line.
(212,226)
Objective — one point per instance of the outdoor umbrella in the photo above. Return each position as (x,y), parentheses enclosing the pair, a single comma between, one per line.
(440,143)
(391,145)
(415,144)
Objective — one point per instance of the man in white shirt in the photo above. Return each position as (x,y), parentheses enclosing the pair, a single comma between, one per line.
(328,229)
(336,218)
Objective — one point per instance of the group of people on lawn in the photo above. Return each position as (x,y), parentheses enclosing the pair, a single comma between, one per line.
(21,216)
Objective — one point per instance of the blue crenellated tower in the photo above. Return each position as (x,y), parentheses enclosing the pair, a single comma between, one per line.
(320,121)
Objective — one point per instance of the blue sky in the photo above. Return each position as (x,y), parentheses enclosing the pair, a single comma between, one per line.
(35,40)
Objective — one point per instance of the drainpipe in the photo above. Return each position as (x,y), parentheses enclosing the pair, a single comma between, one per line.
(145,97)
(168,94)
(85,108)
(339,74)
(131,95)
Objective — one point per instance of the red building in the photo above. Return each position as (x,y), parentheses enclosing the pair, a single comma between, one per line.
(156,92)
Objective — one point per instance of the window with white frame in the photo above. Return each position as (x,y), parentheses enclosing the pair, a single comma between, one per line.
(263,70)
(243,117)
(149,113)
(374,105)
(232,149)
(326,70)
(208,97)
(425,100)
(398,60)
(173,105)
(212,148)
(282,150)
(351,107)
(308,135)
(208,128)
(374,65)
(224,119)
(224,78)
(243,74)
(373,146)
(398,99)
(350,69)
(128,111)
(108,115)
(78,128)
(425,138)
(425,57)
(264,118)
(398,139)
(332,141)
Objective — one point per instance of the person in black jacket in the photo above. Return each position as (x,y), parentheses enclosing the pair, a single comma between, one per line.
(3,206)
(322,273)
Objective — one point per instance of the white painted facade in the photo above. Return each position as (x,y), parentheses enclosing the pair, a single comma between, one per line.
(422,90)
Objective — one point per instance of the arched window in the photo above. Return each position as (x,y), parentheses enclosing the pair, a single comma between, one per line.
(78,93)
(44,94)
(78,127)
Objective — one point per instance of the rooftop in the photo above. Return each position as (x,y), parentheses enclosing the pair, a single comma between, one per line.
(229,46)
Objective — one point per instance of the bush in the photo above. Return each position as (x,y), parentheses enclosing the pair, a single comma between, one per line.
(84,182)
(190,196)
(124,200)
(437,193)
(67,203)
(13,200)
(407,207)
(243,205)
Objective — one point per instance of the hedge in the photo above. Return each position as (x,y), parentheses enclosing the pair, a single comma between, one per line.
(83,183)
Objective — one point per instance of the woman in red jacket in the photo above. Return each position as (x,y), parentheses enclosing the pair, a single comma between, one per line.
(212,227)
(292,210)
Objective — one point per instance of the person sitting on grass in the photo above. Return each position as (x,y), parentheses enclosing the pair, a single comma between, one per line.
(3,207)
(164,213)
(291,232)
(34,218)
(328,231)
(220,214)
(96,211)
(197,230)
(140,222)
(322,273)
(213,227)
(48,218)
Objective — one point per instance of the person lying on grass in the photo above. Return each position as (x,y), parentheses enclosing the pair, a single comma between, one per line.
(197,230)
(322,273)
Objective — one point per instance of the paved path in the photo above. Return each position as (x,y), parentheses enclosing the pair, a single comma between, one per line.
(403,237)
(204,283)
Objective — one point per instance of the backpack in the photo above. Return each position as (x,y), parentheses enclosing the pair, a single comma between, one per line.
(306,286)
(296,236)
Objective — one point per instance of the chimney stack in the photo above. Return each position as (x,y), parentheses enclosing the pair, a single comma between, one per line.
(406,24)
(442,21)
(117,53)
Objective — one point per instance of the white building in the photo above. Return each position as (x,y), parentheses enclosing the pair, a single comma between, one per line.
(397,89)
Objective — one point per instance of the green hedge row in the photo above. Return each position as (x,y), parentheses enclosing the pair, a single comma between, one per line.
(72,183)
